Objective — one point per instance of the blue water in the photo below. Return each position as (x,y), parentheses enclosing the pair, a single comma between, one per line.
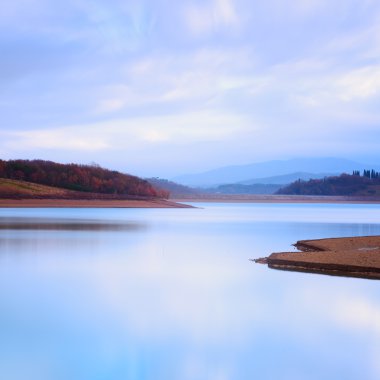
(171,294)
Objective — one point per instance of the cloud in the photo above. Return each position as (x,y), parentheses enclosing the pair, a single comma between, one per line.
(110,105)
(307,7)
(130,133)
(113,28)
(319,89)
(210,16)
(95,77)
(359,84)
(72,138)
(192,80)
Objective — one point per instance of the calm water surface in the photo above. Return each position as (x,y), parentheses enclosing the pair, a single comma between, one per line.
(171,294)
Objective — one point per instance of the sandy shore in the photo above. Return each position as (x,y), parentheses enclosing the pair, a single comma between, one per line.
(349,256)
(83,203)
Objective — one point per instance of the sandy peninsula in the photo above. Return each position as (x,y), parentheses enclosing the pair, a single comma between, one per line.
(348,256)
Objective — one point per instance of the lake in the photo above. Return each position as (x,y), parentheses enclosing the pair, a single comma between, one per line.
(171,294)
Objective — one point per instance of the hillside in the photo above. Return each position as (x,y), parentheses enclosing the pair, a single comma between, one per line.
(345,184)
(74,177)
(174,189)
(16,189)
(11,188)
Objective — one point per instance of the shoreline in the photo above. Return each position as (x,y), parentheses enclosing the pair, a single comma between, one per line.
(346,256)
(283,199)
(89,203)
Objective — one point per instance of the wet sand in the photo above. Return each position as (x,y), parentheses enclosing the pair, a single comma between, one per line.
(348,256)
(91,203)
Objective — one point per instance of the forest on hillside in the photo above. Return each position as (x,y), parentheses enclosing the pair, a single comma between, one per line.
(82,178)
(353,184)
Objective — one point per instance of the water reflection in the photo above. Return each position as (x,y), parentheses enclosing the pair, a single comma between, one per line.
(36,224)
(179,299)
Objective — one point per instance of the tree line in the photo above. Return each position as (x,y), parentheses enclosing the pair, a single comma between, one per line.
(86,178)
(372,174)
(345,184)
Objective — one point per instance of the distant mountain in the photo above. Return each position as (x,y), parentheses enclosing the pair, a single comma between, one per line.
(241,173)
(286,178)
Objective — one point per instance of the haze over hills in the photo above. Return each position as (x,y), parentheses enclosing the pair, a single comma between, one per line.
(237,188)
(174,189)
(260,170)
(286,178)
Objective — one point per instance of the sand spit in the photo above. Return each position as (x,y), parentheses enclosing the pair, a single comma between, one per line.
(348,256)
(90,203)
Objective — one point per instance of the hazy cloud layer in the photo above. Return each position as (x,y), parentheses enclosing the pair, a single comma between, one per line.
(162,87)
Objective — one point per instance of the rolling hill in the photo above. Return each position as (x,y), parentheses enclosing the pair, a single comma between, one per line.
(74,177)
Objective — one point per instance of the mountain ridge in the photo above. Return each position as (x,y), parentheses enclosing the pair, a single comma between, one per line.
(286,178)
(248,172)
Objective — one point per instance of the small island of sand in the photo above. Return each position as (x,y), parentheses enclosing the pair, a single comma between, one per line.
(348,256)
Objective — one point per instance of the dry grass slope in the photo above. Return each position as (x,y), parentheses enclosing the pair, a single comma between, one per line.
(14,188)
(15,193)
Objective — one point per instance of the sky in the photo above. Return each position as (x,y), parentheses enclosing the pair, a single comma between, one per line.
(164,87)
